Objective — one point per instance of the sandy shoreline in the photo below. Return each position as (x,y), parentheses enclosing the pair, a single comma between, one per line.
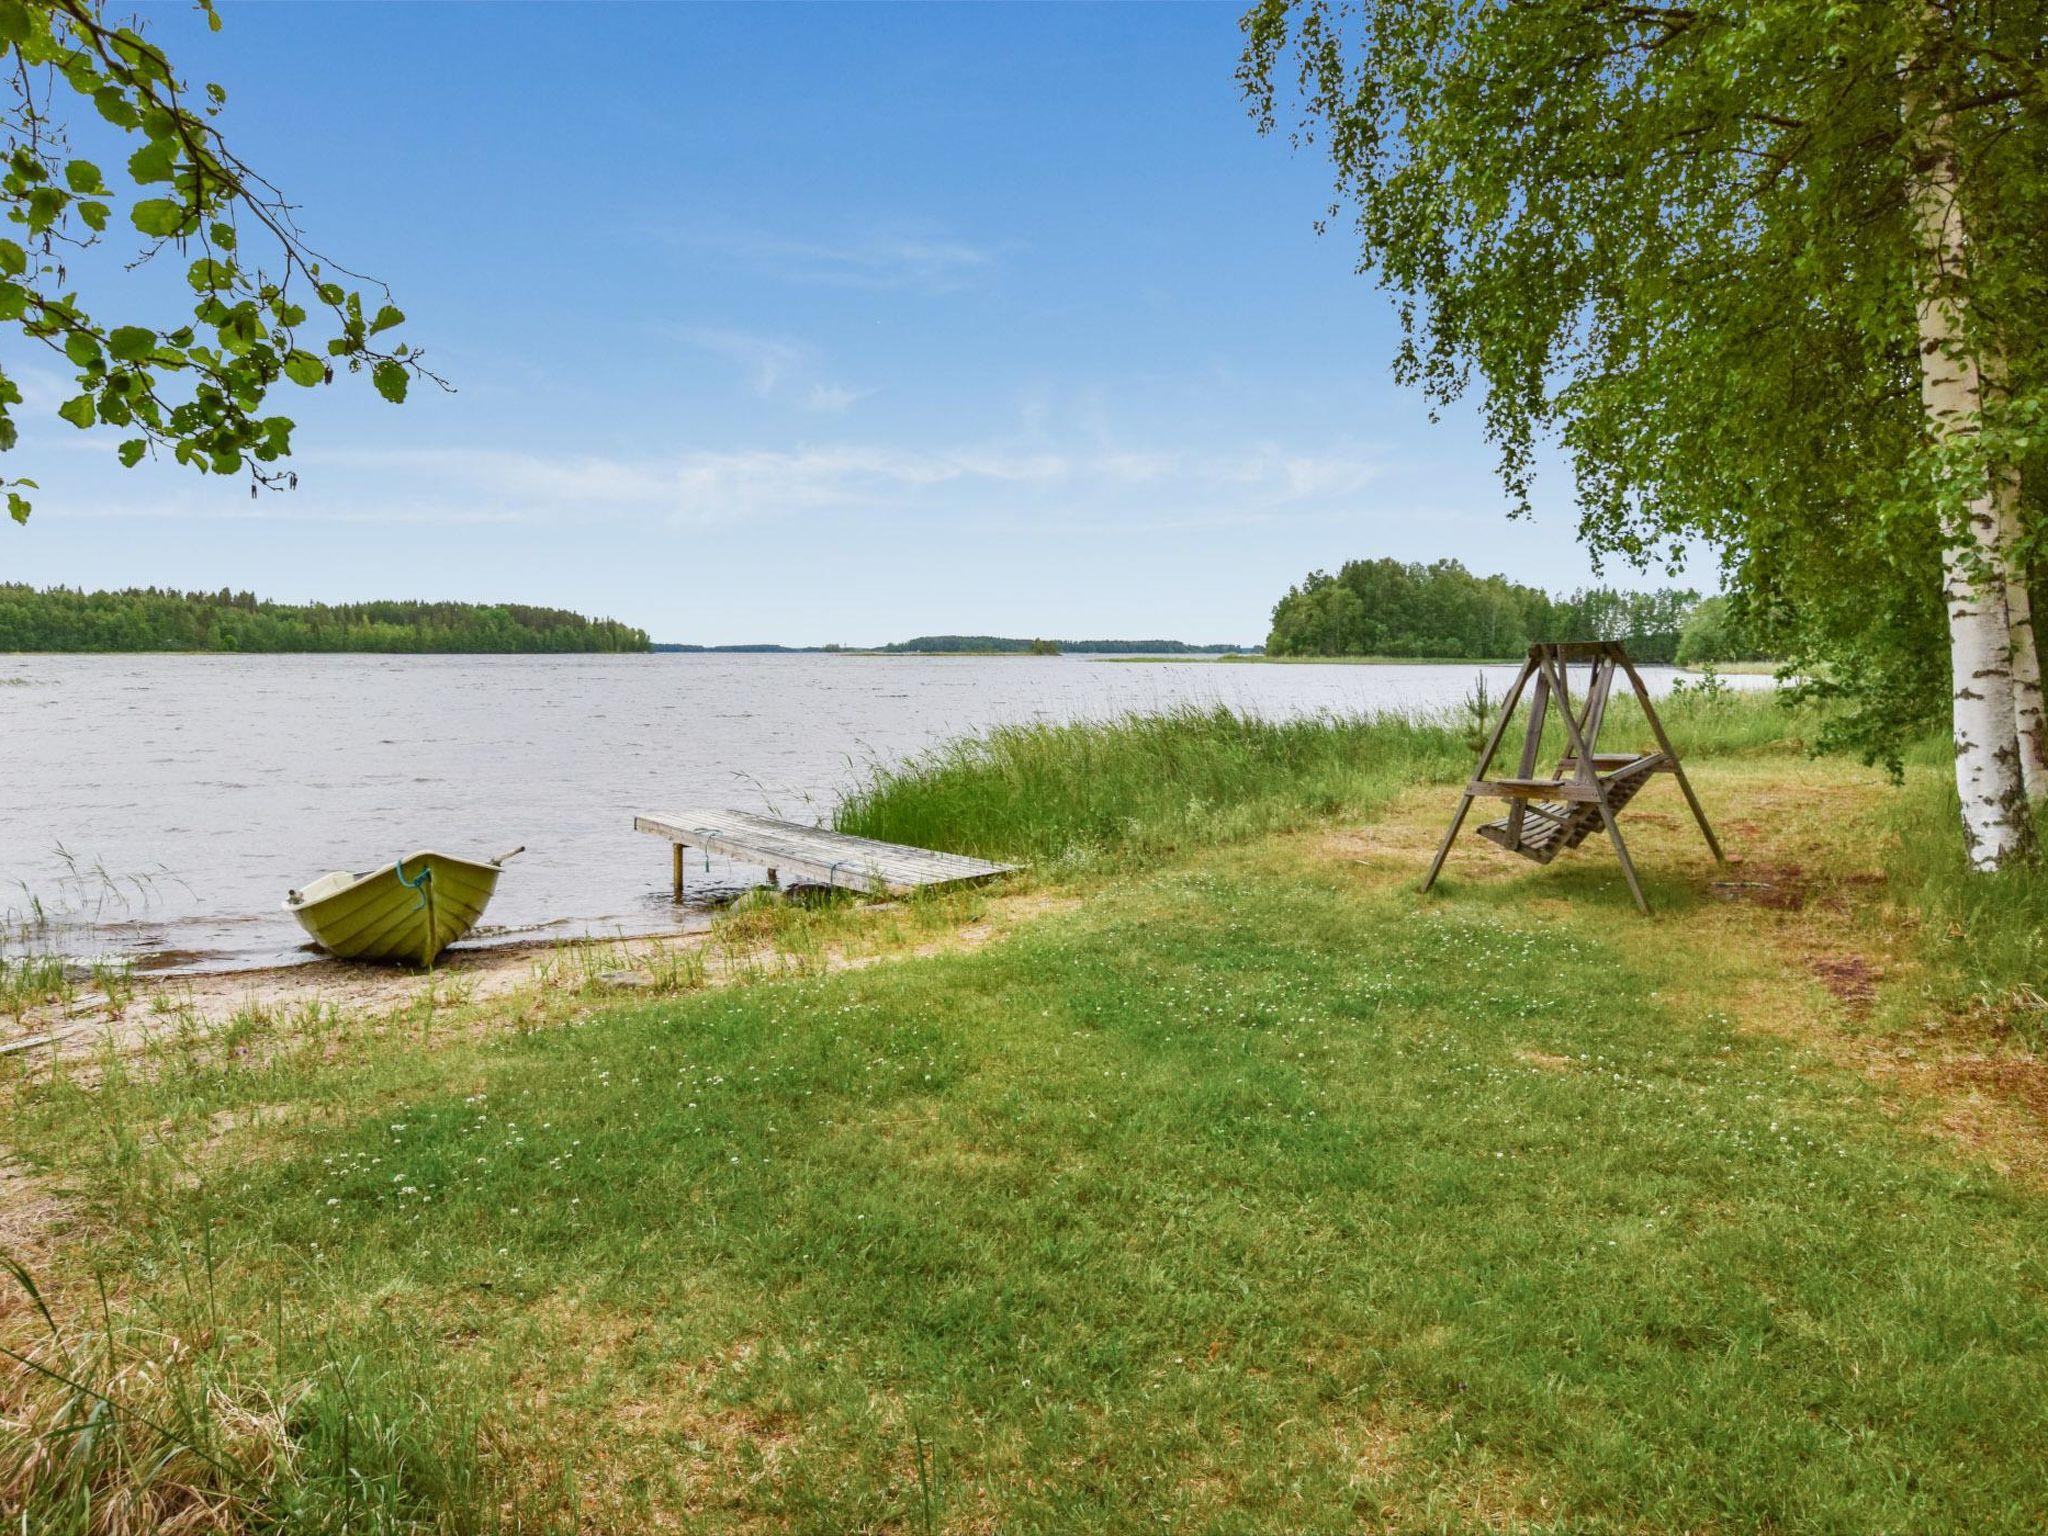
(209,998)
(138,1008)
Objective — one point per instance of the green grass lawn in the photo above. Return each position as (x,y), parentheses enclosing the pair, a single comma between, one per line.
(1247,1192)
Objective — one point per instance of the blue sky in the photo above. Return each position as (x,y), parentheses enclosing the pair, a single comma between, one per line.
(810,324)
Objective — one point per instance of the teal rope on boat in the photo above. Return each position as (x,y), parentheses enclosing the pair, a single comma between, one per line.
(429,945)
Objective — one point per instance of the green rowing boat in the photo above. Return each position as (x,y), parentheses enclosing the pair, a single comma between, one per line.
(408,911)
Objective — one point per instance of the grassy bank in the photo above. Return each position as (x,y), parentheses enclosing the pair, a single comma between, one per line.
(1097,792)
(1241,1191)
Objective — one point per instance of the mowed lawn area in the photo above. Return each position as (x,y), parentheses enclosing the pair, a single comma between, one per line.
(1233,1188)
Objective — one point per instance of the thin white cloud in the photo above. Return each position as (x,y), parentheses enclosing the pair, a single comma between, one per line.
(229,502)
(1030,484)
(833,398)
(774,367)
(42,389)
(767,361)
(880,257)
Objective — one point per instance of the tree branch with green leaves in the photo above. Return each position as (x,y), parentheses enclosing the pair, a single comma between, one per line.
(267,306)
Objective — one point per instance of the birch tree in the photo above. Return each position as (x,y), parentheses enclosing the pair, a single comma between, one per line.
(1769,272)
(1979,585)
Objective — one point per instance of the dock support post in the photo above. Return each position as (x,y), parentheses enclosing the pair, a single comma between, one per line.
(677,850)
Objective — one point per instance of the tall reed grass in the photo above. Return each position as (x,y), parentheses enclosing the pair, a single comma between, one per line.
(1085,791)
(213,1404)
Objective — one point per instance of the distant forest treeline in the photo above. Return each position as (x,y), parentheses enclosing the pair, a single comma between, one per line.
(149,619)
(1387,608)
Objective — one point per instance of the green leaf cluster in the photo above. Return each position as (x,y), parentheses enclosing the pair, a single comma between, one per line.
(194,389)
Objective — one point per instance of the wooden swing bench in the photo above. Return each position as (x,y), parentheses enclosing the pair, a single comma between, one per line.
(1549,816)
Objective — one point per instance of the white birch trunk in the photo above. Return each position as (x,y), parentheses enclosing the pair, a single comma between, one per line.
(1997,827)
(2030,714)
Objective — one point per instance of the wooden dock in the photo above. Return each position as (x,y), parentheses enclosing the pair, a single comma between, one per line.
(815,853)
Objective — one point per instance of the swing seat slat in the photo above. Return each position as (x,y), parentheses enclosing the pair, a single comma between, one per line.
(1607,762)
(1534,789)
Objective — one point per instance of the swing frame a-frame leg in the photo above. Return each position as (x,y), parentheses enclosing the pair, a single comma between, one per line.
(1671,752)
(1507,710)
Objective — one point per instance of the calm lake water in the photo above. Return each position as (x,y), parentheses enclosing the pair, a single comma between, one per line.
(161,806)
